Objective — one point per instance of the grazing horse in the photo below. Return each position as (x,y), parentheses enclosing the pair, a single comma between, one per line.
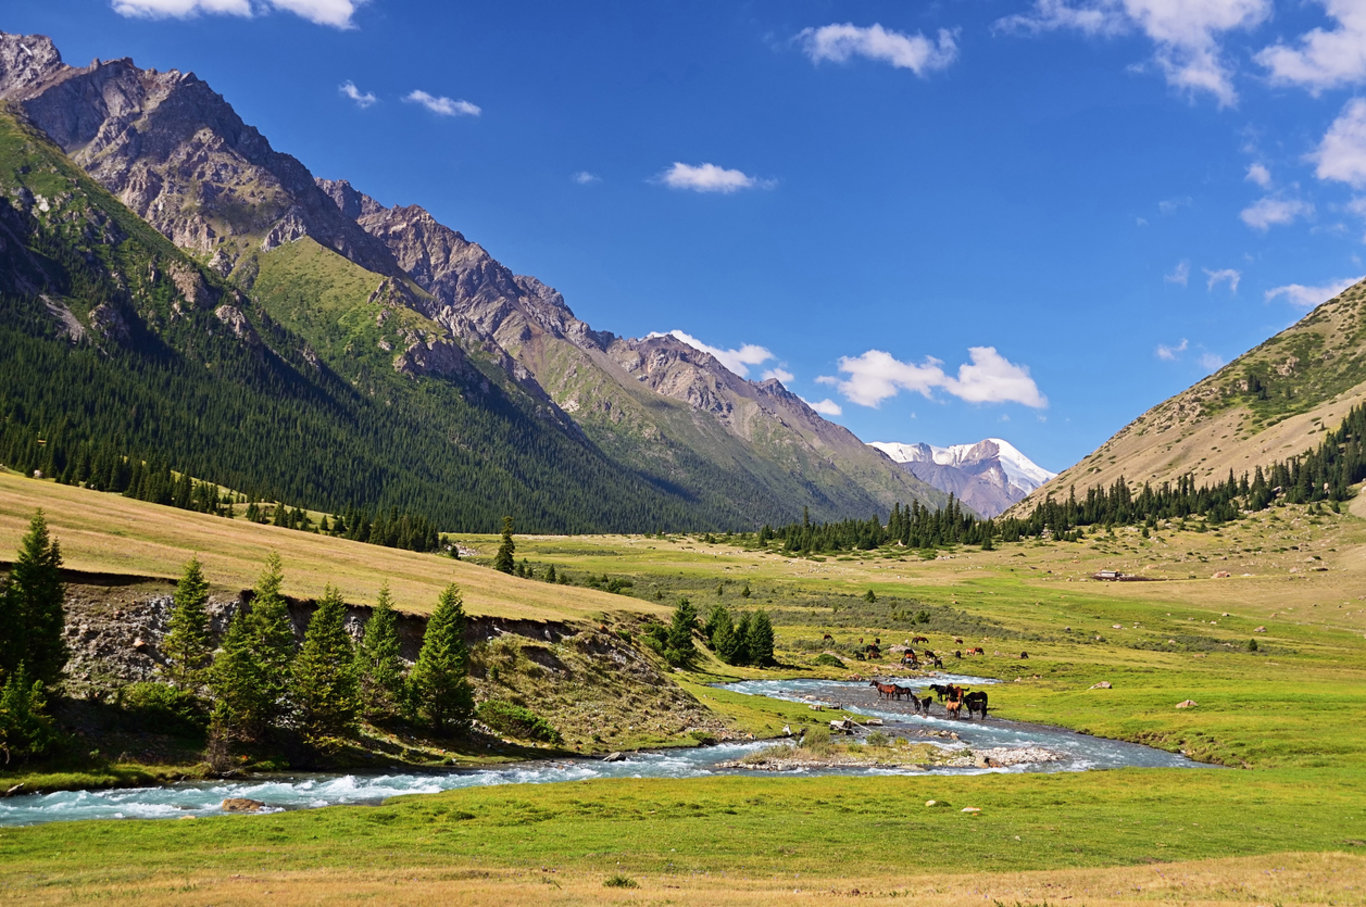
(954,706)
(909,660)
(977,651)
(887,690)
(958,639)
(921,706)
(940,690)
(976,702)
(1024,654)
(920,639)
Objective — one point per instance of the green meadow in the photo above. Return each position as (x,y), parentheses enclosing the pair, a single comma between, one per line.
(1262,625)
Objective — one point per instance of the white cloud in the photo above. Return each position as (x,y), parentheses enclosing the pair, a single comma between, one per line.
(826,407)
(336,13)
(1171,353)
(1211,362)
(783,375)
(1180,274)
(584,178)
(1298,294)
(1268,212)
(1186,33)
(1172,205)
(738,360)
(990,378)
(1323,58)
(446,107)
(1223,275)
(914,52)
(1341,155)
(1257,173)
(876,375)
(363,99)
(710,178)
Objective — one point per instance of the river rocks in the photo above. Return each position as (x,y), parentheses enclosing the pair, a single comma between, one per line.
(1102,685)
(614,757)
(242,805)
(1188,704)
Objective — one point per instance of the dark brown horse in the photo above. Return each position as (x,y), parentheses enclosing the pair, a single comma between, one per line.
(976,702)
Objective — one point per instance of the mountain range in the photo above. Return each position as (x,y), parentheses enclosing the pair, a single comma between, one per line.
(988,476)
(400,364)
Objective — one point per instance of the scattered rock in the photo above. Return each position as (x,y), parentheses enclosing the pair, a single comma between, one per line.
(1221,574)
(971,810)
(1259,630)
(934,803)
(1102,685)
(1188,704)
(614,757)
(241,805)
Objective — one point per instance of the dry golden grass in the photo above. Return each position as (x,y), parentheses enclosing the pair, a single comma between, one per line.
(1291,878)
(108,533)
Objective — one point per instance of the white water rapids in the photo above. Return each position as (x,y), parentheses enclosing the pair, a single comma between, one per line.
(1079,752)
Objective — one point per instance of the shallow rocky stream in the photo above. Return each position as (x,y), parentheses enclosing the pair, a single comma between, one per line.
(1067,751)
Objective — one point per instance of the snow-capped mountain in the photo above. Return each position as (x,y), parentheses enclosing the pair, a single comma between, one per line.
(987,476)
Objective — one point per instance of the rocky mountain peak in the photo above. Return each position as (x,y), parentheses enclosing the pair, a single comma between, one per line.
(987,476)
(26,59)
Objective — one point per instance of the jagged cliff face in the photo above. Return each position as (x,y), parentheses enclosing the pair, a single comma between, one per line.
(177,154)
(172,150)
(668,409)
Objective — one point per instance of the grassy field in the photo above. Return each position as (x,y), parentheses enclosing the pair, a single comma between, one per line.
(107,533)
(1285,823)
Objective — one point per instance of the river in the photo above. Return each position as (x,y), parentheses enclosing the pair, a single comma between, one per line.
(1077,752)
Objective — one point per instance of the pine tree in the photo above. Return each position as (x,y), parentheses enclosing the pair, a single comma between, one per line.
(186,645)
(250,676)
(503,560)
(759,640)
(323,680)
(24,729)
(32,612)
(736,652)
(440,691)
(679,649)
(377,663)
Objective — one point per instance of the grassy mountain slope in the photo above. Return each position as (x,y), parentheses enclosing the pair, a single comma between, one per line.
(1269,404)
(143,348)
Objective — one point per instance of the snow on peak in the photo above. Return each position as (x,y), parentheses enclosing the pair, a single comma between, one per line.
(1022,472)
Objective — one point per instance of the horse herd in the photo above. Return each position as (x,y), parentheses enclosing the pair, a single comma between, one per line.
(953,696)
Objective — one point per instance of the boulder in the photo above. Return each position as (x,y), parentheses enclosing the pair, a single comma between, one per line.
(1102,685)
(1188,704)
(614,757)
(971,810)
(241,805)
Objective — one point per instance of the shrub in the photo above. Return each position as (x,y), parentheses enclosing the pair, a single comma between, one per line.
(878,738)
(160,706)
(516,721)
(828,660)
(620,881)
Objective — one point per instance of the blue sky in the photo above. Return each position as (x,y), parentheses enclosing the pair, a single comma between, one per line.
(937,221)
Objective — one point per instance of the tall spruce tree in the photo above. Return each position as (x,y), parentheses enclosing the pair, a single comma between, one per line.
(679,649)
(24,730)
(250,676)
(186,645)
(323,679)
(503,560)
(377,663)
(759,639)
(440,689)
(32,612)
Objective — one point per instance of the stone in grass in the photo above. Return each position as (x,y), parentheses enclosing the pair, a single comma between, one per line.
(1102,685)
(935,803)
(1188,704)
(971,810)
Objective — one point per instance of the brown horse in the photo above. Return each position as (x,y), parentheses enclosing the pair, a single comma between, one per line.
(976,702)
(886,690)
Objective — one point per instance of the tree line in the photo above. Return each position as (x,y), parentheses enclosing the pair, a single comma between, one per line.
(1324,474)
(261,688)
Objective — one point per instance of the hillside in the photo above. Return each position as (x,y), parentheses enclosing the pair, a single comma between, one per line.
(478,391)
(1272,403)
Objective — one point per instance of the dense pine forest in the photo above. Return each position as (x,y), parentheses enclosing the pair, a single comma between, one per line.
(107,364)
